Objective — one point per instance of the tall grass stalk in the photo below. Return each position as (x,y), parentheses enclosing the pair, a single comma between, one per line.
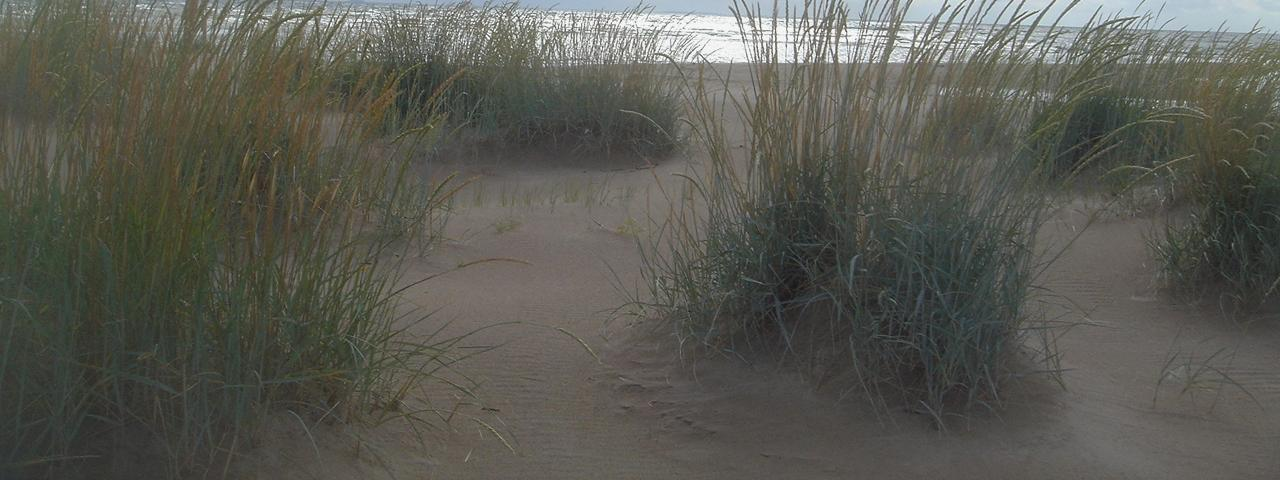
(869,233)
(1195,111)
(1145,90)
(1194,114)
(193,234)
(1231,174)
(587,82)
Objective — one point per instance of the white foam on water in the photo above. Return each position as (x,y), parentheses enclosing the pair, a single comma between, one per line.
(719,38)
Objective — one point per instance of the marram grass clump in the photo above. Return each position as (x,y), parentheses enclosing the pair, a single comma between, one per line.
(1103,131)
(1226,166)
(1230,242)
(1115,106)
(861,235)
(514,77)
(192,236)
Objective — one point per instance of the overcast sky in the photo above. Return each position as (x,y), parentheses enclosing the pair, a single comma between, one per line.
(1238,15)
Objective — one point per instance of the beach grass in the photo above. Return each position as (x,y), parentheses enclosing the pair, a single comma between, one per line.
(1194,112)
(846,239)
(1229,242)
(513,77)
(205,209)
(878,231)
(197,234)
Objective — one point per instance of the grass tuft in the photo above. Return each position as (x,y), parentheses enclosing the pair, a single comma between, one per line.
(1231,241)
(194,234)
(516,77)
(861,236)
(1228,171)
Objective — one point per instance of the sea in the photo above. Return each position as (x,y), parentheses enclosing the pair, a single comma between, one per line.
(719,38)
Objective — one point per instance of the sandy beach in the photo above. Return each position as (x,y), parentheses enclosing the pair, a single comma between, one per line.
(1143,393)
(255,241)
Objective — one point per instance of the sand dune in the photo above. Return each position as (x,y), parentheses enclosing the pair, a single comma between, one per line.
(645,413)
